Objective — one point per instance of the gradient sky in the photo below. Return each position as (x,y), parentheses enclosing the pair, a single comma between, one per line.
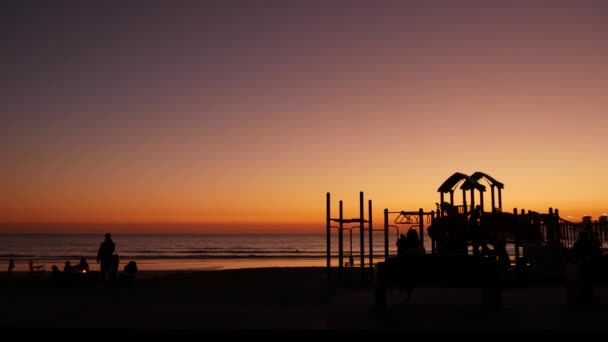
(230,114)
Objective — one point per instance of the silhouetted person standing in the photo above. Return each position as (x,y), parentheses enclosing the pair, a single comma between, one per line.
(104,256)
(11,265)
(585,254)
(412,247)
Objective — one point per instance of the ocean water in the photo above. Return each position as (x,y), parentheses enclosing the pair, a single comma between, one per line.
(189,252)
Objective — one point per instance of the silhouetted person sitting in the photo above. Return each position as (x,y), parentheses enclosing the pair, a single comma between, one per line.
(83,266)
(130,271)
(68,268)
(60,278)
(56,273)
(104,256)
(131,267)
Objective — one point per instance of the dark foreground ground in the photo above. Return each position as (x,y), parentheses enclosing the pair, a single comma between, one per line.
(279,302)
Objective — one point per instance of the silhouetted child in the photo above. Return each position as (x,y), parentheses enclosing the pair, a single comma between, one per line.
(114,271)
(11,266)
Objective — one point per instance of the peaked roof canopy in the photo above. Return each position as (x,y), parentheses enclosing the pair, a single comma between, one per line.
(479,175)
(468,183)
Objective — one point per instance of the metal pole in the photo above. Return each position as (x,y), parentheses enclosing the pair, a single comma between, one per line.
(361,225)
(499,199)
(558,232)
(371,253)
(493,200)
(341,241)
(385,234)
(328,218)
(421,226)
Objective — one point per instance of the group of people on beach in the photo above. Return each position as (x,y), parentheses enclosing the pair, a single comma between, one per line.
(109,261)
(107,257)
(82,267)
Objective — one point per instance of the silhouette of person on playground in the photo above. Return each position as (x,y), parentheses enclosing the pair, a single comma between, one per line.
(104,256)
(401,244)
(585,255)
(413,245)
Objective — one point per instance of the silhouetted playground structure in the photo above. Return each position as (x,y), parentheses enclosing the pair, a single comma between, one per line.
(465,228)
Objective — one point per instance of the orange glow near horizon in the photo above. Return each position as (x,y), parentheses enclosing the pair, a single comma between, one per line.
(223,118)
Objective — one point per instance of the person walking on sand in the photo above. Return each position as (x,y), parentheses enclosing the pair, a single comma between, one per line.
(104,256)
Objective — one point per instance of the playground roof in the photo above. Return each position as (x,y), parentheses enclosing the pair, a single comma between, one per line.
(468,184)
(479,175)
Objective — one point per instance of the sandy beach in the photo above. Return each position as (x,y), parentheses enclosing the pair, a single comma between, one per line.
(277,300)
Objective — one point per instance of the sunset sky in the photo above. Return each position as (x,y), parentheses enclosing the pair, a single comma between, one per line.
(233,115)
